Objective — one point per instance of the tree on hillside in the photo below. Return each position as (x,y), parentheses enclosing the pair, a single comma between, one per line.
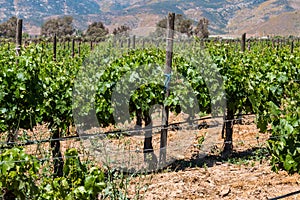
(96,31)
(121,30)
(60,26)
(202,28)
(182,25)
(8,28)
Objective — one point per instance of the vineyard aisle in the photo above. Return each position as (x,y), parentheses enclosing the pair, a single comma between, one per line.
(240,178)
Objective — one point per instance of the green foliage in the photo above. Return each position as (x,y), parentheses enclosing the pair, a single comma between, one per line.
(116,185)
(254,78)
(142,71)
(78,182)
(264,81)
(19,94)
(285,142)
(37,89)
(19,173)
(22,178)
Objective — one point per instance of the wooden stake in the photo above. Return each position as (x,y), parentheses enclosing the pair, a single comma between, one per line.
(54,47)
(19,36)
(79,48)
(73,48)
(243,42)
(168,70)
(91,45)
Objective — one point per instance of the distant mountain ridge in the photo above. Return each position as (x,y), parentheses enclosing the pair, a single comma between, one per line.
(226,16)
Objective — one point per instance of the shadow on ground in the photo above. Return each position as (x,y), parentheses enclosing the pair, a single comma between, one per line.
(254,153)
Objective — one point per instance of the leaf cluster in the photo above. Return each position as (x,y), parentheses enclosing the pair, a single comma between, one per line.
(22,179)
(264,81)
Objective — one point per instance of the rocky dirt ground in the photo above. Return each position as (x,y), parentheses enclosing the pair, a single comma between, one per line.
(245,175)
(223,181)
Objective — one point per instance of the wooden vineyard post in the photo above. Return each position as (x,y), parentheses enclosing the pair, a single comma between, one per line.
(73,48)
(168,70)
(54,47)
(79,44)
(12,136)
(292,46)
(42,51)
(243,42)
(91,45)
(19,36)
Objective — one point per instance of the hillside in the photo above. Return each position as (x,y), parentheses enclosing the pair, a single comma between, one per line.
(271,17)
(284,24)
(226,16)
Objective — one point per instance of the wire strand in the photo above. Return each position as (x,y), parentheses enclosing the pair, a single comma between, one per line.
(138,132)
(129,132)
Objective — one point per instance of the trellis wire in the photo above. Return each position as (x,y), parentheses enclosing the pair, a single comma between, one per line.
(133,131)
(286,195)
(103,135)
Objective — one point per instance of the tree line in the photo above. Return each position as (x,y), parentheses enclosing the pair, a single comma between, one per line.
(63,26)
